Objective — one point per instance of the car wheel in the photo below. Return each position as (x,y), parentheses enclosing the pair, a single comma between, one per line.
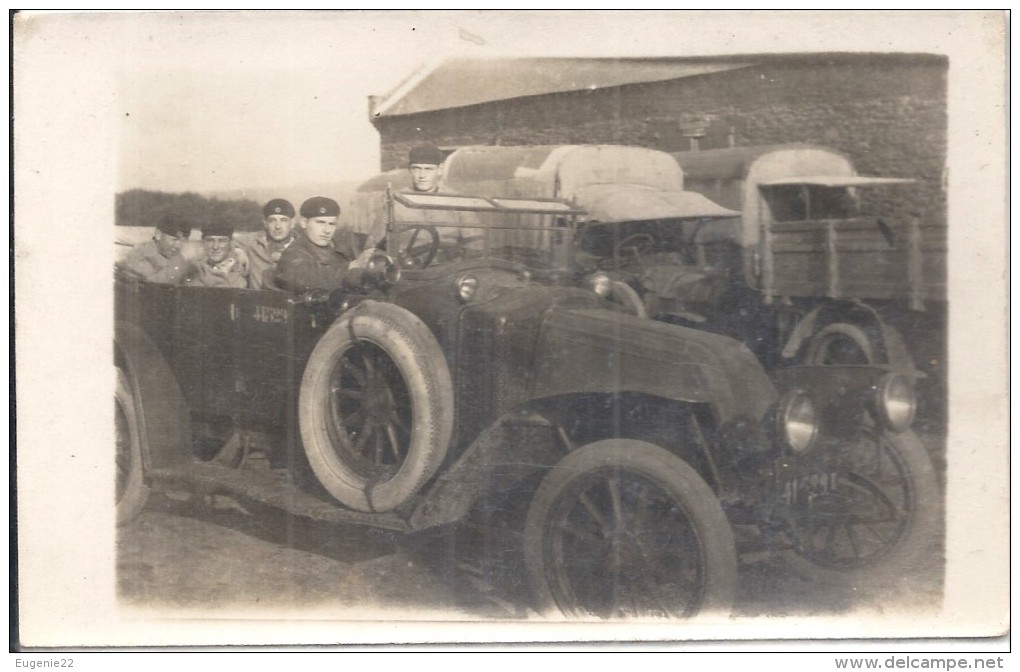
(838,344)
(376,407)
(622,528)
(132,492)
(880,517)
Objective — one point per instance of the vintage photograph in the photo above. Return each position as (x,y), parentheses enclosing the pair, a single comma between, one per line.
(554,325)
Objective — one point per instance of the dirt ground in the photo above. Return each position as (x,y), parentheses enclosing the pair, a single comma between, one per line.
(187,552)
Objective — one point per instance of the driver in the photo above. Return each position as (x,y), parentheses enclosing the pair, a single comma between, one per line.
(425,163)
(322,255)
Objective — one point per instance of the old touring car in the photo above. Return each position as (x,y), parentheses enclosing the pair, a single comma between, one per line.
(637,445)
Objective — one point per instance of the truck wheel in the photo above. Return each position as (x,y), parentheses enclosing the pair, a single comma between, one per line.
(839,343)
(878,520)
(623,528)
(376,407)
(132,493)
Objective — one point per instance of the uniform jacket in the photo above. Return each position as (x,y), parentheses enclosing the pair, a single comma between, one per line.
(263,255)
(146,263)
(304,266)
(231,272)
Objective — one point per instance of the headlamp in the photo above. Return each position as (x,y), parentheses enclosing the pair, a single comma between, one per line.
(895,402)
(797,422)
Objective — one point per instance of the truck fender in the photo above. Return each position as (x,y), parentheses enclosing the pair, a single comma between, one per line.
(625,295)
(860,322)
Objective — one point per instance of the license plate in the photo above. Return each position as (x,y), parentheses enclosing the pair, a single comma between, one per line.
(805,488)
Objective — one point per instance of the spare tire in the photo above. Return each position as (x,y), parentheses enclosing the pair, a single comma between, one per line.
(376,407)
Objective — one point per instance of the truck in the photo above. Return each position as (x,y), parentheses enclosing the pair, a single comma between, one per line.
(811,235)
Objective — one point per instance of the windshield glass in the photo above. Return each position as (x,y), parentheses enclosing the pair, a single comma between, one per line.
(800,202)
(601,240)
(436,228)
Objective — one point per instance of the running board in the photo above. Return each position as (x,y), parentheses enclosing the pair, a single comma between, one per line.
(270,487)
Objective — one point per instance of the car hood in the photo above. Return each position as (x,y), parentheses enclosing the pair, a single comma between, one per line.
(608,351)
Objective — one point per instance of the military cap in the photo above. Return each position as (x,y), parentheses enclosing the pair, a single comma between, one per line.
(174,224)
(278,206)
(426,154)
(320,206)
(217,229)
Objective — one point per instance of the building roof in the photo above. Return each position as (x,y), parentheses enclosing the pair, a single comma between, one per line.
(464,82)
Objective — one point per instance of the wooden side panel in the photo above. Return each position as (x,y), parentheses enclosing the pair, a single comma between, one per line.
(857,258)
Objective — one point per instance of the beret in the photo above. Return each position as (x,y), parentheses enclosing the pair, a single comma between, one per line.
(426,154)
(174,224)
(278,206)
(218,229)
(320,206)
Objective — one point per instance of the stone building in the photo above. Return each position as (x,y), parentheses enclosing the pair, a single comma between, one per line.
(887,112)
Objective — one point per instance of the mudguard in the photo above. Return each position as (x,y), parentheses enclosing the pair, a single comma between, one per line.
(896,354)
(508,451)
(165,420)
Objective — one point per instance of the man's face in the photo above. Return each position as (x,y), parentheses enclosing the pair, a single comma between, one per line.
(278,227)
(217,248)
(320,230)
(425,176)
(168,244)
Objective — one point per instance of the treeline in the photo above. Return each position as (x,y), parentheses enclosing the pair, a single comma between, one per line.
(139,207)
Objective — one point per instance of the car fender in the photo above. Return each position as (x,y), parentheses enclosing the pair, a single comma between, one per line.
(165,420)
(517,445)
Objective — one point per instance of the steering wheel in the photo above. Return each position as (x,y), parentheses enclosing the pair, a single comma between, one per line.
(381,270)
(420,256)
(634,245)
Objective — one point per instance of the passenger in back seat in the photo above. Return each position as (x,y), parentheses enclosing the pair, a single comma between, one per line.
(166,258)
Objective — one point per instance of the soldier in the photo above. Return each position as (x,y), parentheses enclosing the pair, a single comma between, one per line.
(319,258)
(164,259)
(425,164)
(264,249)
(225,264)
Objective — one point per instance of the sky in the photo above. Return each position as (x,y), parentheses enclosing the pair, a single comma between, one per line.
(214,101)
